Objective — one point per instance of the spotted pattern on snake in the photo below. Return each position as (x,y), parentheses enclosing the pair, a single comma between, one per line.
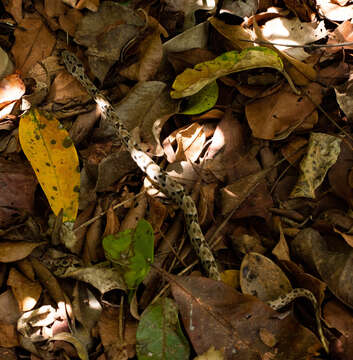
(171,188)
(167,185)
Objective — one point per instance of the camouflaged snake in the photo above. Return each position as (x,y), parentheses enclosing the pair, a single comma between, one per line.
(172,189)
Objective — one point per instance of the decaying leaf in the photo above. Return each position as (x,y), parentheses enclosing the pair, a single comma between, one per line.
(334,267)
(277,115)
(323,151)
(54,159)
(261,277)
(193,80)
(233,322)
(34,42)
(159,335)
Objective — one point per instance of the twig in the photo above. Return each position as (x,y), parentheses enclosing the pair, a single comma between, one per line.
(261,42)
(90,221)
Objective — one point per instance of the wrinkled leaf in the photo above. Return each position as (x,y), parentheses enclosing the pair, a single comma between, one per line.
(101,276)
(202,101)
(323,151)
(132,252)
(193,80)
(54,159)
(159,335)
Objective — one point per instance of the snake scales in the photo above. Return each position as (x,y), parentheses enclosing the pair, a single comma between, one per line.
(172,189)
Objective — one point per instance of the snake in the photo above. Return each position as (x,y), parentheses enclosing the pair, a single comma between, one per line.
(172,189)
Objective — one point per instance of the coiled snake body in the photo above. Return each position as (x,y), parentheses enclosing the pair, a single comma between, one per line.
(171,188)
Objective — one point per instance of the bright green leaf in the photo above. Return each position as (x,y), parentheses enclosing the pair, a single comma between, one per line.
(159,336)
(202,101)
(132,252)
(193,80)
(54,159)
(116,247)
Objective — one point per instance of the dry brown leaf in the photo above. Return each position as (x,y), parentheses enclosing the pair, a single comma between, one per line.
(338,175)
(302,9)
(33,43)
(93,250)
(233,322)
(16,250)
(337,316)
(54,8)
(26,292)
(8,335)
(14,7)
(114,346)
(270,116)
(150,55)
(70,21)
(334,267)
(342,33)
(66,89)
(281,250)
(106,33)
(136,212)
(294,150)
(147,107)
(233,33)
(112,223)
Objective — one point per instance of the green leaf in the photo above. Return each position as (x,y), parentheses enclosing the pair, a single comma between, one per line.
(116,246)
(193,80)
(132,252)
(159,336)
(54,159)
(202,101)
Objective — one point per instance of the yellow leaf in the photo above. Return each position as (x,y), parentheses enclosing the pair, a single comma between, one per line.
(193,80)
(53,157)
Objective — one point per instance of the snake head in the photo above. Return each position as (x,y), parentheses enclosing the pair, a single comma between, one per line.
(73,65)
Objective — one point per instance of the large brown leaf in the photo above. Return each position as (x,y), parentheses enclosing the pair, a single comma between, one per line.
(214,314)
(273,115)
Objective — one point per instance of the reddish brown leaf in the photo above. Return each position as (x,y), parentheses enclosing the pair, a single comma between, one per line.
(215,314)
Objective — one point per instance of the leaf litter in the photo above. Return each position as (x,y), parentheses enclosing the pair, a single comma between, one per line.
(261,134)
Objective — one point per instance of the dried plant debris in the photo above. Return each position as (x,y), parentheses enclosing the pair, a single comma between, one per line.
(246,104)
(323,151)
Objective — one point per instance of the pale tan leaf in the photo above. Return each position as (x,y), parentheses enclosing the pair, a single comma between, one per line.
(26,292)
(323,151)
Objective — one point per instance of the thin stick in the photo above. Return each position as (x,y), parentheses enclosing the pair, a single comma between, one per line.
(261,42)
(90,221)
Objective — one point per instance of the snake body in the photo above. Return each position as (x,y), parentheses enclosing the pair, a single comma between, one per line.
(172,189)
